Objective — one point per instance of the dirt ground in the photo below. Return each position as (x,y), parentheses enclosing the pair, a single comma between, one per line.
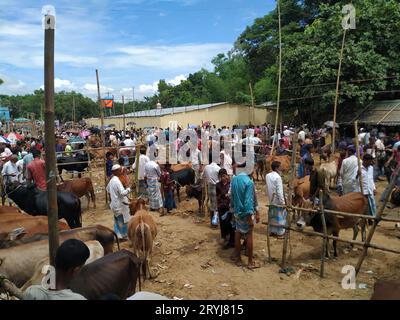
(192,265)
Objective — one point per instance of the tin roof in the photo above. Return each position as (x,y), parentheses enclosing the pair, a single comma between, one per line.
(385,112)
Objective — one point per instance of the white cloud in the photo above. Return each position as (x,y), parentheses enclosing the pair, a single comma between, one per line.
(13,86)
(92,88)
(63,84)
(168,57)
(177,80)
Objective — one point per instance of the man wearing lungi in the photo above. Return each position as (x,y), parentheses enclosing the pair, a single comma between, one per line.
(153,174)
(119,203)
(276,215)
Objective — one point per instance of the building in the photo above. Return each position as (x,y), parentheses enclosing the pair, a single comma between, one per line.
(219,114)
(385,113)
(4,114)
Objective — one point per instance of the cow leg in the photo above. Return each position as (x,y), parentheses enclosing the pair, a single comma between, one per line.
(178,194)
(88,200)
(335,234)
(93,197)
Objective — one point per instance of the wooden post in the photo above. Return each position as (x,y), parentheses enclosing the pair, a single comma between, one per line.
(73,111)
(50,146)
(279,77)
(358,158)
(103,138)
(251,117)
(137,168)
(337,92)
(389,189)
(288,221)
(325,240)
(123,115)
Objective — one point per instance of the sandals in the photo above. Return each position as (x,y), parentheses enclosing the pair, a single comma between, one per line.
(254,265)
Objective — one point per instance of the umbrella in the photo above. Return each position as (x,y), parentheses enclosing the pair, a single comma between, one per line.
(13,137)
(85,133)
(4,140)
(330,124)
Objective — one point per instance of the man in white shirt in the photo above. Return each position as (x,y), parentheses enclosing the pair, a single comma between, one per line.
(119,203)
(20,166)
(211,177)
(10,171)
(276,215)
(129,142)
(369,189)
(347,181)
(70,258)
(143,159)
(302,134)
(195,158)
(226,162)
(153,174)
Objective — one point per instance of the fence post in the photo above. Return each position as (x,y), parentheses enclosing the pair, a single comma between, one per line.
(289,200)
(325,240)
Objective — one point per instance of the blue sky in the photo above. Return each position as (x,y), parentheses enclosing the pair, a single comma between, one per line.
(131,42)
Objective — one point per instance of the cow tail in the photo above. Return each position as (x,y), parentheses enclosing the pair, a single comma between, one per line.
(116,240)
(142,230)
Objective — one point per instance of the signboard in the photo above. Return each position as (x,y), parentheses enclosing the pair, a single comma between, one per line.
(107,102)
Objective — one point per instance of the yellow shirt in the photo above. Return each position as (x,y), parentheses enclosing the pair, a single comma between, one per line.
(68,150)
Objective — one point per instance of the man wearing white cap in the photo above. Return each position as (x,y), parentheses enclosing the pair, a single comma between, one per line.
(119,203)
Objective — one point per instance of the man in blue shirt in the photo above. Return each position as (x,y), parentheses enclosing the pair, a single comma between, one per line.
(244,204)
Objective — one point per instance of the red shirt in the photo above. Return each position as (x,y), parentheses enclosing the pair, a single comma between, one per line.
(37,172)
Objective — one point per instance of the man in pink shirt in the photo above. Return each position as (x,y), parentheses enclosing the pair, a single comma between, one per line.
(37,171)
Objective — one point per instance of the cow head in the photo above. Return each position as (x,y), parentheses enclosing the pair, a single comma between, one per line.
(136,205)
(305,217)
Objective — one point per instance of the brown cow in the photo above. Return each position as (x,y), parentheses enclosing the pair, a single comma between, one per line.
(284,160)
(31,224)
(18,263)
(386,290)
(353,202)
(9,209)
(142,231)
(79,187)
(301,190)
(98,232)
(96,252)
(114,273)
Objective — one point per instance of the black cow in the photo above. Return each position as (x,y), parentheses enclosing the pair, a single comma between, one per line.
(69,164)
(395,197)
(184,177)
(34,202)
(196,191)
(115,273)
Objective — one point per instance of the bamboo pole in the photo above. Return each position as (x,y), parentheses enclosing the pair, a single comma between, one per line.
(338,213)
(379,214)
(123,117)
(279,78)
(103,138)
(51,183)
(288,221)
(358,157)
(325,240)
(354,242)
(337,91)
(252,104)
(137,168)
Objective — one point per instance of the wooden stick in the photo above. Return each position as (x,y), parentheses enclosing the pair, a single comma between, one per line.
(123,117)
(337,92)
(358,158)
(288,221)
(137,168)
(380,212)
(50,146)
(252,104)
(103,138)
(279,78)
(325,240)
(355,242)
(354,215)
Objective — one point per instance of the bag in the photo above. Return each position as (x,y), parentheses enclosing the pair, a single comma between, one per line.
(215,219)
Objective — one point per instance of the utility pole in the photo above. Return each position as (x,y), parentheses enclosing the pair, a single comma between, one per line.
(50,146)
(123,115)
(73,111)
(103,138)
(133,99)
